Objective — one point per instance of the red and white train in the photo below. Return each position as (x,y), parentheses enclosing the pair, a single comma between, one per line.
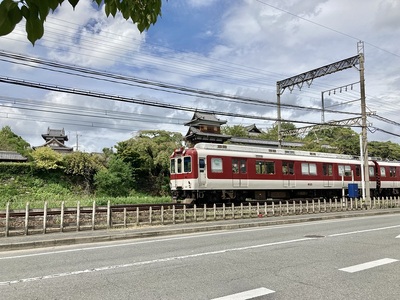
(210,173)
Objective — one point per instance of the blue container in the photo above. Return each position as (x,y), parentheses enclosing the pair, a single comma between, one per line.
(353,190)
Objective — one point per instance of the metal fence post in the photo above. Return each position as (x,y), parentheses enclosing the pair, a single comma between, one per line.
(7,229)
(94,215)
(109,214)
(26,229)
(78,215)
(62,216)
(44,217)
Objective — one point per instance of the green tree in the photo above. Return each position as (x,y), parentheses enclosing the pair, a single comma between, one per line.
(35,12)
(341,140)
(114,181)
(46,158)
(272,133)
(236,131)
(84,165)
(148,155)
(385,150)
(9,141)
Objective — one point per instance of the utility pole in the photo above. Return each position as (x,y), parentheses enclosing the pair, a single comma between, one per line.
(278,95)
(364,141)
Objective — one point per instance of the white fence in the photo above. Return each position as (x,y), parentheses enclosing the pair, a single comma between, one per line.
(47,220)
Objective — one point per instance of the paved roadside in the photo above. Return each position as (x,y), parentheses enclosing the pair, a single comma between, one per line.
(90,236)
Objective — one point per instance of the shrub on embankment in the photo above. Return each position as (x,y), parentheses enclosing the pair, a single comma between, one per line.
(22,183)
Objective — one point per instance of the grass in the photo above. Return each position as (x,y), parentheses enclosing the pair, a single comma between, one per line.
(21,189)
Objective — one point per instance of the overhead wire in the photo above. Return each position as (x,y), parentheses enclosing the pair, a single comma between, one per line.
(289,106)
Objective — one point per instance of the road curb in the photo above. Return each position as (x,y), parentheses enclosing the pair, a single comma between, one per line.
(56,239)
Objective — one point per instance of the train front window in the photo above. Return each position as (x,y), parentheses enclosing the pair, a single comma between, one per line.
(383,172)
(172,169)
(392,171)
(187,164)
(179,165)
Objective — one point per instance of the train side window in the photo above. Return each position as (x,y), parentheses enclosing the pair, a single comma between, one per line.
(270,167)
(187,164)
(179,165)
(383,172)
(235,166)
(243,167)
(308,169)
(327,169)
(172,168)
(202,164)
(216,165)
(371,171)
(288,168)
(260,167)
(392,171)
(344,170)
(265,167)
(358,170)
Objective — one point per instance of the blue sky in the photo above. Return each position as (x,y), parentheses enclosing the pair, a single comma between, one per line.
(235,47)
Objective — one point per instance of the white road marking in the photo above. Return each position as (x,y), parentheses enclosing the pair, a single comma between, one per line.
(398,237)
(247,295)
(368,265)
(106,268)
(196,236)
(363,231)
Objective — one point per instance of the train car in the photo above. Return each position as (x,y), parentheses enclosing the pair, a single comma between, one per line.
(210,173)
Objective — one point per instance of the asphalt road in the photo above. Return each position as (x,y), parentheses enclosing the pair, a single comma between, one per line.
(354,258)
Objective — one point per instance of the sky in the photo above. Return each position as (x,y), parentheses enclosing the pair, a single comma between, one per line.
(222,56)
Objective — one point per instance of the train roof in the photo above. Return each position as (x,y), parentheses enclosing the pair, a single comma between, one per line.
(280,151)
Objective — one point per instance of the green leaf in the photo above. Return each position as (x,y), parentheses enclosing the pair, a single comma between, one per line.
(25,12)
(53,4)
(34,29)
(15,15)
(43,9)
(10,16)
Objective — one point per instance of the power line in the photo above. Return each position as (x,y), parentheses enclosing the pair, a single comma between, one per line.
(148,84)
(98,95)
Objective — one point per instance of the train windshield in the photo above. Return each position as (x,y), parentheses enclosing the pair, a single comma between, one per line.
(172,168)
(187,164)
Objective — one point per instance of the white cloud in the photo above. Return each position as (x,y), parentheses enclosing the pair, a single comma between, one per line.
(250,47)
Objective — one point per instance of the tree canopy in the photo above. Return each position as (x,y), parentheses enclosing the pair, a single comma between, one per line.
(148,156)
(35,12)
(9,141)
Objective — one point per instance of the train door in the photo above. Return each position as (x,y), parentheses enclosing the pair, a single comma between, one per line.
(288,174)
(327,173)
(239,172)
(202,172)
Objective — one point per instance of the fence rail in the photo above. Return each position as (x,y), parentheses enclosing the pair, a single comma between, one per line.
(47,220)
